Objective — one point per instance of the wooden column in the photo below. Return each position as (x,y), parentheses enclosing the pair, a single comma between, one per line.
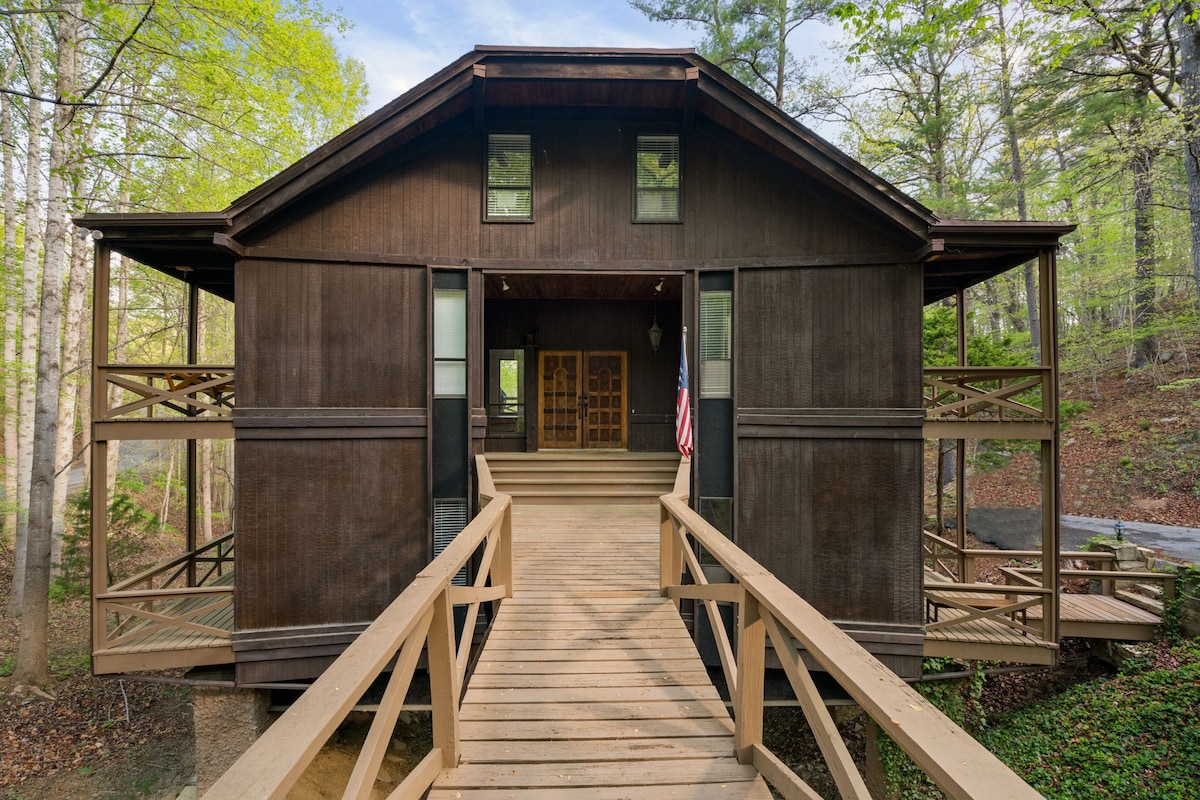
(99,489)
(966,569)
(747,696)
(1048,318)
(193,352)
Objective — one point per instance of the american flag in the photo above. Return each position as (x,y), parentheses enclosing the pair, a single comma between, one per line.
(683,411)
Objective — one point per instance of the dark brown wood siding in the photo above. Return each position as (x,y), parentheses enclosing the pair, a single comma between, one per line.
(736,204)
(829,448)
(329,530)
(330,335)
(332,507)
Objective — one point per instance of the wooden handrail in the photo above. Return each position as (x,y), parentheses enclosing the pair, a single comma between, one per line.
(954,394)
(959,765)
(181,560)
(189,390)
(422,614)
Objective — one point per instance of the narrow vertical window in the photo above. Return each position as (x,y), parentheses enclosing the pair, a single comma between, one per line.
(657,168)
(716,343)
(449,342)
(509,176)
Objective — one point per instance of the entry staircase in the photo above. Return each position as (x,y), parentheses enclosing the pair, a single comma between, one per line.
(587,684)
(571,477)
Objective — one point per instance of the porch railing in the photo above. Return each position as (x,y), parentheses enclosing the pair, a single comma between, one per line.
(985,393)
(769,610)
(422,617)
(176,597)
(163,391)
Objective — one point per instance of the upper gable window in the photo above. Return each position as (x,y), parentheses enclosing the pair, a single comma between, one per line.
(657,166)
(509,176)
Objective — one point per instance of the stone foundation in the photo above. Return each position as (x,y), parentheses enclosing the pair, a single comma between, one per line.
(227,722)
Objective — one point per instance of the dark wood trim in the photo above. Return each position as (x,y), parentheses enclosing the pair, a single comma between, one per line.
(479,94)
(327,417)
(332,432)
(566,266)
(589,71)
(830,423)
(691,91)
(227,242)
(178,428)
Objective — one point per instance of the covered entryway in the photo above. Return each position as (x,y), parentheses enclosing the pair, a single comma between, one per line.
(570,364)
(582,399)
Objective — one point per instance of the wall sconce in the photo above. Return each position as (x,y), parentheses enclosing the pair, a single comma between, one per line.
(504,287)
(659,287)
(655,333)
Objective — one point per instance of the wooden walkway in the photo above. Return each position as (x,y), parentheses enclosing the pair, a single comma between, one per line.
(589,685)
(1100,616)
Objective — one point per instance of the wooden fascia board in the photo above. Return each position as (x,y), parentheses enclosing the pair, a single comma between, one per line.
(838,170)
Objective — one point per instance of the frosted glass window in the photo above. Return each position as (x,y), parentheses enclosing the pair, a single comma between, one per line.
(716,344)
(449,342)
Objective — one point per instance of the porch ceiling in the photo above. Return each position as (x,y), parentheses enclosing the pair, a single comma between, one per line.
(574,286)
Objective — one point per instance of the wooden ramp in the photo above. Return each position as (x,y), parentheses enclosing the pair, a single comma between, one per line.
(589,685)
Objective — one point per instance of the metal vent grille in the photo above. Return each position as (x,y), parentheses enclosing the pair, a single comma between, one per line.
(449,518)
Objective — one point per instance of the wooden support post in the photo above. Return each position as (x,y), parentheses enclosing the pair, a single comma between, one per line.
(502,566)
(99,487)
(443,679)
(751,669)
(1048,298)
(193,351)
(966,568)
(667,544)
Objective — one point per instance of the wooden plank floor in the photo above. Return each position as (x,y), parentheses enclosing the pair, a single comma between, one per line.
(170,647)
(1099,616)
(589,685)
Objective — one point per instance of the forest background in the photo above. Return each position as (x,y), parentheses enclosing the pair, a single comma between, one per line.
(1086,112)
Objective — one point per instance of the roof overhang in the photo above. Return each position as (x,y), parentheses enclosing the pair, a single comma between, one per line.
(962,254)
(192,247)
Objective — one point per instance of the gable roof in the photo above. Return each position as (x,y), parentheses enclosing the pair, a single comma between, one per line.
(492,82)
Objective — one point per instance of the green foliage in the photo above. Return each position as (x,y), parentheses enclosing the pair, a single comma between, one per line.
(1131,737)
(941,343)
(130,529)
(959,699)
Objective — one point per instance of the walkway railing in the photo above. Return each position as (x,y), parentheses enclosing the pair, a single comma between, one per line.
(768,609)
(422,617)
(170,597)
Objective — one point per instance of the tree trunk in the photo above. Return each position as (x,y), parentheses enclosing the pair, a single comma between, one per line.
(32,659)
(1145,343)
(72,365)
(1189,85)
(29,311)
(12,302)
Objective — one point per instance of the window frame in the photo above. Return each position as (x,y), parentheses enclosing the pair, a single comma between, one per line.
(705,339)
(487,183)
(638,189)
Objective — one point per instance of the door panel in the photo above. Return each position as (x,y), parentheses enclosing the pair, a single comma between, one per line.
(559,399)
(581,410)
(604,424)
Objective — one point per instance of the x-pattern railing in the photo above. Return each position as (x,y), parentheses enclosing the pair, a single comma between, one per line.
(166,597)
(183,391)
(984,392)
(421,618)
(769,610)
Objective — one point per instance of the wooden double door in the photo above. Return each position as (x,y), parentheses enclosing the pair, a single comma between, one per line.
(581,399)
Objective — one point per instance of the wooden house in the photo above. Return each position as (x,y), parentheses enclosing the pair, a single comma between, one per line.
(475,268)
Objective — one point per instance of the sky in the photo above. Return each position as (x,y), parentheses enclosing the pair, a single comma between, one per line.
(402,42)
